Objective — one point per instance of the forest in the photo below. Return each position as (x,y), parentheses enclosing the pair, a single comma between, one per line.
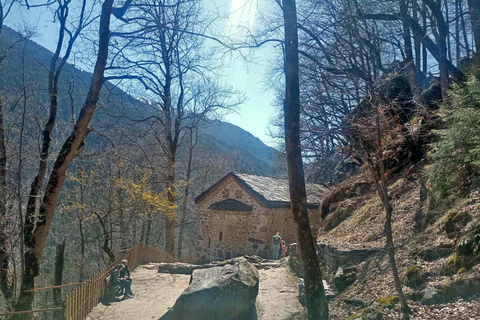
(106,141)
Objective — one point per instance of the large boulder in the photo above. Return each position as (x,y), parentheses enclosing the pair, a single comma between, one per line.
(178,268)
(219,293)
(463,287)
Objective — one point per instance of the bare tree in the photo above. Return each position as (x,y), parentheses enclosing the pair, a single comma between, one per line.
(36,234)
(370,146)
(474,10)
(317,306)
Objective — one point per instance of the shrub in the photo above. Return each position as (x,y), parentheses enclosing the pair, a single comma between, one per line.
(456,154)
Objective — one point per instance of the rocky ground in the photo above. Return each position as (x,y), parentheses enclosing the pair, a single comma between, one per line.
(278,294)
(156,292)
(432,250)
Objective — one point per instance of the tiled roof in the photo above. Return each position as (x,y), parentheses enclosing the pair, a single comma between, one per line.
(230,205)
(273,192)
(277,190)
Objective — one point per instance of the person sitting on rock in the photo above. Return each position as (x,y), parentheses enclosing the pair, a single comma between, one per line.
(125,273)
(277,242)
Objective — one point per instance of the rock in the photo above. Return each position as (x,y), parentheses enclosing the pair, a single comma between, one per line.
(344,278)
(355,302)
(460,288)
(386,302)
(335,258)
(414,277)
(436,253)
(340,214)
(367,314)
(261,263)
(177,268)
(329,293)
(219,293)
(455,222)
(301,291)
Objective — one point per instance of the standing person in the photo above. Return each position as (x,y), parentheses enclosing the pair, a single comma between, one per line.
(284,249)
(277,242)
(115,279)
(125,273)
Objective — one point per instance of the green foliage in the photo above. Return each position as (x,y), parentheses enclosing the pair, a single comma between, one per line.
(456,154)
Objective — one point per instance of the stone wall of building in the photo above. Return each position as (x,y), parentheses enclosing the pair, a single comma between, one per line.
(281,220)
(227,234)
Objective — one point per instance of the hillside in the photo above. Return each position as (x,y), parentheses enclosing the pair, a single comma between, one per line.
(246,153)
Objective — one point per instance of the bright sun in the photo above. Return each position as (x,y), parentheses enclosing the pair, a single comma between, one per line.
(242,15)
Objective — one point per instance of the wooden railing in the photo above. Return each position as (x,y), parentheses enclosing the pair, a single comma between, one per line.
(189,259)
(86,296)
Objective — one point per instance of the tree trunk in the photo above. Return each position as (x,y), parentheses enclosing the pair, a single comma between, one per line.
(381,184)
(416,38)
(4,283)
(424,47)
(474,10)
(187,191)
(457,31)
(317,306)
(36,236)
(149,226)
(170,218)
(464,28)
(443,62)
(411,68)
(57,293)
(447,21)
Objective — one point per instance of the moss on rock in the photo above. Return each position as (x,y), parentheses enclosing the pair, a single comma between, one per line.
(414,277)
(367,314)
(388,301)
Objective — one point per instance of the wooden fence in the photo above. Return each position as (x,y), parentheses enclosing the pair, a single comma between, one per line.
(86,296)
(189,259)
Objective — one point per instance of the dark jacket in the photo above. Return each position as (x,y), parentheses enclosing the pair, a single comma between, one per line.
(115,276)
(125,271)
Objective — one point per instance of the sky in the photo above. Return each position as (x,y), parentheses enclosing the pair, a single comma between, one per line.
(249,77)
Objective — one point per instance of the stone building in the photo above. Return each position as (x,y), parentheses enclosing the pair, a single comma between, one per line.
(240,213)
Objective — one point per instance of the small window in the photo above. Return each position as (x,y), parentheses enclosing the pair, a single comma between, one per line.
(209,242)
(220,235)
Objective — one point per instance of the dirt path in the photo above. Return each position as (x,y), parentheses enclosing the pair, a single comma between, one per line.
(278,295)
(156,292)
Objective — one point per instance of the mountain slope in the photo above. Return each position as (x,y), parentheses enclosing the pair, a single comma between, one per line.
(27,63)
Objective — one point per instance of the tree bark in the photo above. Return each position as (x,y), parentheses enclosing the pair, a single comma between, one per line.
(170,218)
(474,10)
(317,306)
(4,282)
(464,29)
(193,142)
(36,236)
(411,68)
(381,184)
(57,293)
(443,61)
(424,47)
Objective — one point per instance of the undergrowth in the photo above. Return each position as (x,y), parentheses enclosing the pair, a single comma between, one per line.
(455,157)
